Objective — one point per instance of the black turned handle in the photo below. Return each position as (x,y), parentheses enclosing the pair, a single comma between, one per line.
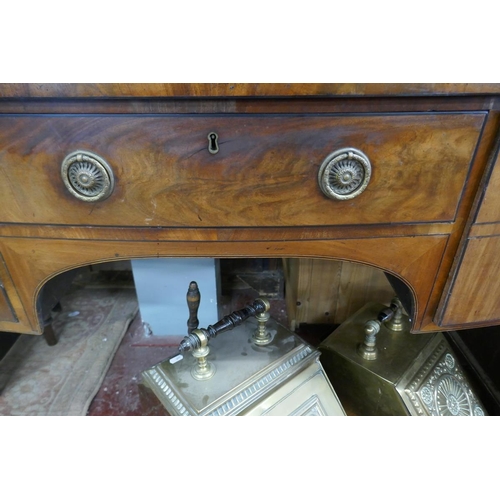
(192,341)
(236,318)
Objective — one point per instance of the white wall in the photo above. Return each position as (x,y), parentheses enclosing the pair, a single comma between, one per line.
(161,286)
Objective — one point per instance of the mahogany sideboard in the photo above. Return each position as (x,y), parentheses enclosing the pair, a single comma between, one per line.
(95,173)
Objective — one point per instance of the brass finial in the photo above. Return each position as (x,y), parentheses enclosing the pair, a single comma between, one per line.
(368,350)
(396,323)
(203,369)
(262,336)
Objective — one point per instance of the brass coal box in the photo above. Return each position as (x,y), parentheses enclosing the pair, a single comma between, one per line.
(259,368)
(379,368)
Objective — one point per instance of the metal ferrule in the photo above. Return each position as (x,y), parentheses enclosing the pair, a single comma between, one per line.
(189,343)
(385,314)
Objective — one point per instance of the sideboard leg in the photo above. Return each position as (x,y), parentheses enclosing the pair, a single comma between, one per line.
(49,335)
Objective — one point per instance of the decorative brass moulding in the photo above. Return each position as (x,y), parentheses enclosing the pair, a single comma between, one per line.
(87,176)
(344,174)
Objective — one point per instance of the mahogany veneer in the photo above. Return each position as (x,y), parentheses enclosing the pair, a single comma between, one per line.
(431,146)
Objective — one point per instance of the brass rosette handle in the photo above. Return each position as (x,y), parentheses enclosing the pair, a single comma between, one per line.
(344,174)
(87,176)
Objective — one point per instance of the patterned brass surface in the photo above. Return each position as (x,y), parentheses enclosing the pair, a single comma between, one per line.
(440,387)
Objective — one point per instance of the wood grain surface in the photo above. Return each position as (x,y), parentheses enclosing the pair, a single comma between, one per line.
(429,145)
(469,296)
(12,311)
(265,173)
(474,298)
(329,292)
(6,312)
(489,212)
(34,261)
(240,89)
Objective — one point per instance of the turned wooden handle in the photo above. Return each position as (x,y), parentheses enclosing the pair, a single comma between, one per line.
(193,297)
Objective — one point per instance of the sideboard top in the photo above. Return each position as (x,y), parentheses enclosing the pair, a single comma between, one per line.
(123,90)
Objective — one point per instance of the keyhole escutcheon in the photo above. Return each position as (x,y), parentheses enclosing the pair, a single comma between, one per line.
(213,146)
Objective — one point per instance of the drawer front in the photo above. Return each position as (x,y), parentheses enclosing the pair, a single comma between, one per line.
(265,172)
